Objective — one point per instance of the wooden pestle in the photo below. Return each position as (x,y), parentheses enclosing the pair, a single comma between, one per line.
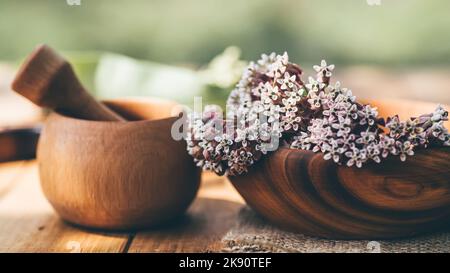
(48,80)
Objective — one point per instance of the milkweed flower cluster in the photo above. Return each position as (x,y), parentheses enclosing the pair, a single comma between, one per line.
(261,108)
(352,133)
(271,105)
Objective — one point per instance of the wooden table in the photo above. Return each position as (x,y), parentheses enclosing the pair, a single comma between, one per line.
(29,224)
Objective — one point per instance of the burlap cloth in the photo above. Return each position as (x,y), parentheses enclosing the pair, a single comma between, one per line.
(252,234)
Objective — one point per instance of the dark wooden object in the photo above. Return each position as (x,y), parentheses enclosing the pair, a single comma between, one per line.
(18,143)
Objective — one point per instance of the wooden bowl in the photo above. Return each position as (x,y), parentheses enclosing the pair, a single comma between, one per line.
(302,192)
(117,175)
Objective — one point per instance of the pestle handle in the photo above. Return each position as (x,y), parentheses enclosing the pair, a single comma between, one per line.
(48,80)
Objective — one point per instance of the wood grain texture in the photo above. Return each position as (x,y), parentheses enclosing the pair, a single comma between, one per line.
(214,186)
(29,224)
(201,230)
(116,175)
(8,174)
(212,215)
(301,191)
(48,80)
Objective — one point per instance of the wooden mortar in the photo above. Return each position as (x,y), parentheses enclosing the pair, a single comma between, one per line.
(117,175)
(300,191)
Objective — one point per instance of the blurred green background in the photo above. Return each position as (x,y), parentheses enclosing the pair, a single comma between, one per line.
(401,46)
(400,32)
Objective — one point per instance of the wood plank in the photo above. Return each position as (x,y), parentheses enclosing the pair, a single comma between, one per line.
(29,224)
(8,172)
(201,230)
(218,187)
(207,221)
